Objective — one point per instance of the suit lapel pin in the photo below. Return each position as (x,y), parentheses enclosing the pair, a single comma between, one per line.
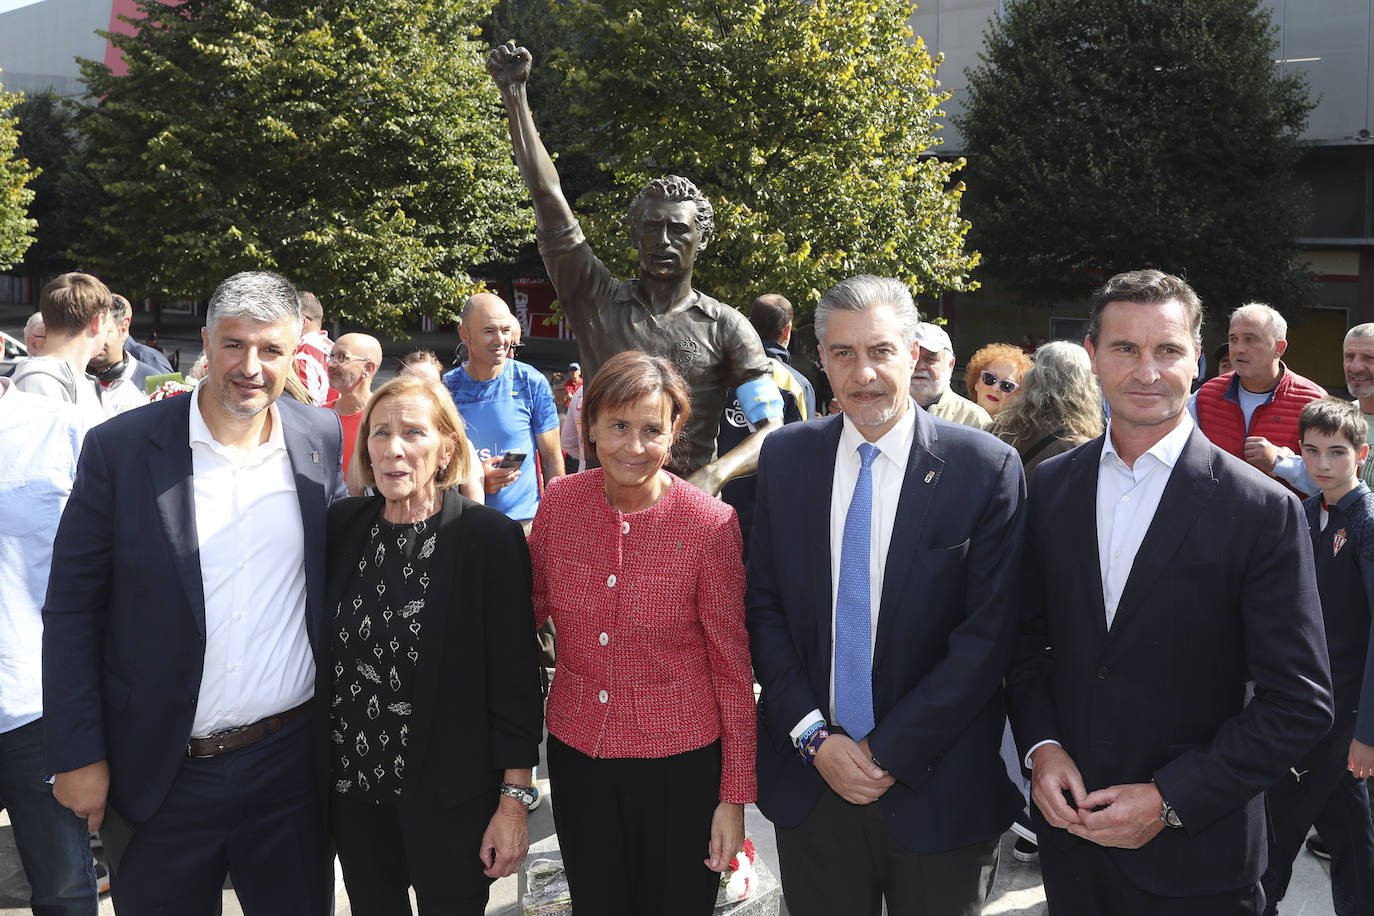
(315,457)
(930,475)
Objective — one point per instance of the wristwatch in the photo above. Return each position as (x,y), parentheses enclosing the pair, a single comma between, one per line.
(1168,815)
(523,794)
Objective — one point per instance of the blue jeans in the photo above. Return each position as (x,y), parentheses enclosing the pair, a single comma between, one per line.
(53,842)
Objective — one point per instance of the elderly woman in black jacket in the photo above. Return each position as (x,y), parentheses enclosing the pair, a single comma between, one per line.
(430,707)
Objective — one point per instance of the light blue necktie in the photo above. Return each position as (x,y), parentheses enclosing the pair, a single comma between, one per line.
(853,620)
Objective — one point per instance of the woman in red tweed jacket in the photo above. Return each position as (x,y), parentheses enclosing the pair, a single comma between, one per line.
(651,712)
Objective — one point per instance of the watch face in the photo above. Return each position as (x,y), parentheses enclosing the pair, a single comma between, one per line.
(519,793)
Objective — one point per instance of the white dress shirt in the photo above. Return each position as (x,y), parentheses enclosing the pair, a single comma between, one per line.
(889,473)
(1127,499)
(252,566)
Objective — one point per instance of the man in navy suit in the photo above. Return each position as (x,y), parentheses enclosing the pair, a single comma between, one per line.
(1162,575)
(182,622)
(882,591)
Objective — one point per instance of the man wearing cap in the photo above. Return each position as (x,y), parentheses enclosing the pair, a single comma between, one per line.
(930,380)
(574,381)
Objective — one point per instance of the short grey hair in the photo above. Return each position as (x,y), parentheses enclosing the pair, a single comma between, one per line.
(1265,314)
(33,324)
(1361,330)
(864,292)
(119,307)
(255,295)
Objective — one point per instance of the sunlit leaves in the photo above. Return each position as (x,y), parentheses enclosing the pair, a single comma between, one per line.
(16,226)
(350,144)
(811,126)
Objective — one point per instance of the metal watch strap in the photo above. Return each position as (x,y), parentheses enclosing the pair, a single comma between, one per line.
(523,794)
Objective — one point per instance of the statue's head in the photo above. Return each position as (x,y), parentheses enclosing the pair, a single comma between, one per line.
(670,222)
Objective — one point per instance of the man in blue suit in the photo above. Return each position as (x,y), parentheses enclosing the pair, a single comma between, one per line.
(882,592)
(183,620)
(1173,662)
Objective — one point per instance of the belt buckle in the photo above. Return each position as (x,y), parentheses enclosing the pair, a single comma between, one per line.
(219,739)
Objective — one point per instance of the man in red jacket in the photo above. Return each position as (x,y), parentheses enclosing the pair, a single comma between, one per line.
(1252,411)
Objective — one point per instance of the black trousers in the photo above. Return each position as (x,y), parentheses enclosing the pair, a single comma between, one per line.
(383,854)
(252,814)
(1082,880)
(843,858)
(1338,804)
(635,832)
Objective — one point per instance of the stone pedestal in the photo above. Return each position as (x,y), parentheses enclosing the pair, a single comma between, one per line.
(543,890)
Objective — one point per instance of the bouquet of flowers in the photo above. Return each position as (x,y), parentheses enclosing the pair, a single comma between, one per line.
(739,878)
(169,388)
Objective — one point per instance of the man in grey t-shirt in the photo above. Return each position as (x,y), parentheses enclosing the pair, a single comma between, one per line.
(76,316)
(659,312)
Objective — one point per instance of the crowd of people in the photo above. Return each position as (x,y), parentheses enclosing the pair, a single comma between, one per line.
(227,665)
(1122,613)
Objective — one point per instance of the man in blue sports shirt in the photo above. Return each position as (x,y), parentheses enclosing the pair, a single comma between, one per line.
(507,406)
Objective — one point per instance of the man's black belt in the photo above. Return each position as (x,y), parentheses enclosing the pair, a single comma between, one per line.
(235,738)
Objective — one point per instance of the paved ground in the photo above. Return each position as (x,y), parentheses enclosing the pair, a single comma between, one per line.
(1017,892)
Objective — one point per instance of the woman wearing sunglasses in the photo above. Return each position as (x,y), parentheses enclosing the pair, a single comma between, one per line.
(994,376)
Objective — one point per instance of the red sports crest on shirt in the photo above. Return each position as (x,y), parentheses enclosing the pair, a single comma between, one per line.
(1338,542)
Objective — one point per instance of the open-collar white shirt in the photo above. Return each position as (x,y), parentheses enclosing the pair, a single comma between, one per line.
(251,538)
(1127,498)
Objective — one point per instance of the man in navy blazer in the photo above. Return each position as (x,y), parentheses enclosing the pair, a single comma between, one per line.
(907,798)
(182,621)
(1162,576)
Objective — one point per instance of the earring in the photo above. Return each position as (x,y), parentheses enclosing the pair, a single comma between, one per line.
(591,441)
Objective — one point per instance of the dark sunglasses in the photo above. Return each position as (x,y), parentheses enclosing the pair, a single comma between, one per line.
(1005,384)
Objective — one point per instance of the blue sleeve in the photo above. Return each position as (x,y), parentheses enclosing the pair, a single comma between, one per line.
(543,412)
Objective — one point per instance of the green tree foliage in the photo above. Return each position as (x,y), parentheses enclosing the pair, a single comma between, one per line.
(1107,135)
(47,138)
(349,144)
(16,226)
(541,26)
(808,125)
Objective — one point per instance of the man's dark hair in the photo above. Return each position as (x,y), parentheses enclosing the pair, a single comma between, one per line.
(119,307)
(1147,287)
(770,315)
(1334,417)
(71,302)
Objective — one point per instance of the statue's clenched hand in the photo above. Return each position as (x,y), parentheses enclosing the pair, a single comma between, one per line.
(509,65)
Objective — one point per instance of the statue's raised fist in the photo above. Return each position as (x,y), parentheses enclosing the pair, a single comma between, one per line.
(509,65)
